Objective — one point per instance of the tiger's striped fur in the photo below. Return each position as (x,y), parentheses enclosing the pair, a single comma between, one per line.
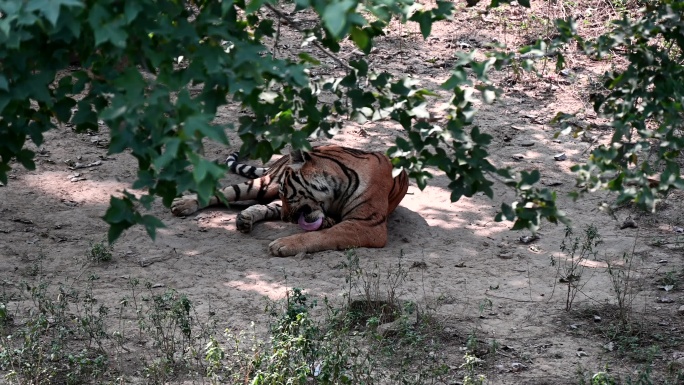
(352,191)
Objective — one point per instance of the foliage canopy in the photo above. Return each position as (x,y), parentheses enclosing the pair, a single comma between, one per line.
(138,59)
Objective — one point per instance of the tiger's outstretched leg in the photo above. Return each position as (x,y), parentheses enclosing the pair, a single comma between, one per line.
(263,189)
(344,235)
(253,214)
(263,186)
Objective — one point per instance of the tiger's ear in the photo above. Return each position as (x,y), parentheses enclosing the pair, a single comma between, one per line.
(298,158)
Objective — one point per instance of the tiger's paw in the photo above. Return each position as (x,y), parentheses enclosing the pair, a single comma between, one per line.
(184,206)
(283,247)
(244,222)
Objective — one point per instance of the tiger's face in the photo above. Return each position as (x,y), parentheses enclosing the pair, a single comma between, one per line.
(306,190)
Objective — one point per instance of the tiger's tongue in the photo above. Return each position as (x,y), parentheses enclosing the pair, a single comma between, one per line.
(313,226)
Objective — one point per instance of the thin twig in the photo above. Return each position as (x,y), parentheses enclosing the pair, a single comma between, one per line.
(277,38)
(315,43)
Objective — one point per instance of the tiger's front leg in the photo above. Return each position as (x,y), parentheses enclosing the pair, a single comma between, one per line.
(253,214)
(345,235)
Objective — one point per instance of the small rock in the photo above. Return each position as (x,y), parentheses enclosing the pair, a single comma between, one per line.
(666,287)
(681,310)
(581,354)
(664,300)
(597,318)
(517,157)
(560,157)
(678,230)
(628,224)
(525,239)
(517,366)
(527,144)
(506,255)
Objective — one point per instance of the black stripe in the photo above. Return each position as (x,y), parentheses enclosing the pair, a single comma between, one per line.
(351,209)
(352,176)
(375,219)
(237,191)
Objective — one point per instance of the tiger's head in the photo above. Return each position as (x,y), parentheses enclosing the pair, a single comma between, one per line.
(306,190)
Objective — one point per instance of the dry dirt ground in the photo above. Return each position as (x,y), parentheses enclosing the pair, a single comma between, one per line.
(457,256)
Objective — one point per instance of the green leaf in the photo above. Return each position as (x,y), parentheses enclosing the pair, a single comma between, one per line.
(151,224)
(105,28)
(25,157)
(63,108)
(170,153)
(505,213)
(120,216)
(458,77)
(305,57)
(50,9)
(115,231)
(254,5)
(335,17)
(201,124)
(131,10)
(424,19)
(361,39)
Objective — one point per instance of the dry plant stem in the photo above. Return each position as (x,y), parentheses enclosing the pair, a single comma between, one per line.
(315,43)
(529,281)
(275,42)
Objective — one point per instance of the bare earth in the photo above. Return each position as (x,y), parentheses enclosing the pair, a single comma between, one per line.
(468,257)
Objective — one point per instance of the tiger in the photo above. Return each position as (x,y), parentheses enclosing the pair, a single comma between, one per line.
(342,197)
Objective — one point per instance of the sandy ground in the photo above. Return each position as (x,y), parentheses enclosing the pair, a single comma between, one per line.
(468,257)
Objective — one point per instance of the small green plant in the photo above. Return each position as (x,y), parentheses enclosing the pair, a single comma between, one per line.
(624,285)
(293,344)
(373,338)
(59,340)
(214,354)
(471,377)
(100,252)
(577,250)
(670,280)
(603,378)
(485,305)
(4,315)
